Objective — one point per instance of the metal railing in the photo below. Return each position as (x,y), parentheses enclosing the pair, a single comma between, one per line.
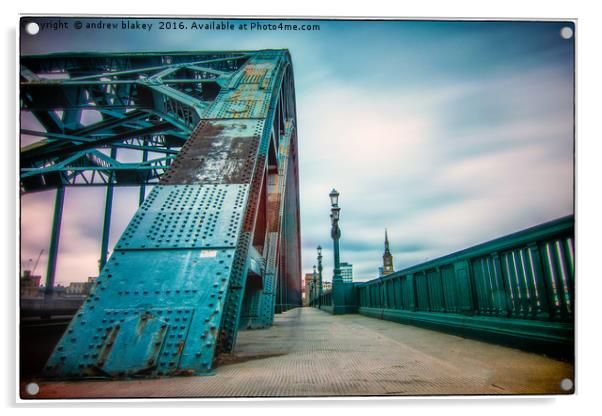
(528,275)
(320,301)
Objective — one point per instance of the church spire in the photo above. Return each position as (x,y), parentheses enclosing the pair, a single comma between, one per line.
(387,251)
(387,257)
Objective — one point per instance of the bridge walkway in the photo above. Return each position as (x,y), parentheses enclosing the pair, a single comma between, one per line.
(312,353)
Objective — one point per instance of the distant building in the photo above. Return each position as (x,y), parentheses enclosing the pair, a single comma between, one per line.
(30,285)
(380,271)
(387,258)
(307,280)
(80,288)
(326,286)
(347,272)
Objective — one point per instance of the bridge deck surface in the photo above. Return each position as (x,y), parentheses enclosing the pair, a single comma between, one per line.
(311,353)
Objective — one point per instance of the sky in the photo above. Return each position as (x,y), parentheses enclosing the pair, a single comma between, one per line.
(448,134)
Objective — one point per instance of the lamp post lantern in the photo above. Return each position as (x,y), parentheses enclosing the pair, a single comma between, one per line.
(334,198)
(335,234)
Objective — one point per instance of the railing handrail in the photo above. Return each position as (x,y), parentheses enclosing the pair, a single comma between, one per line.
(526,236)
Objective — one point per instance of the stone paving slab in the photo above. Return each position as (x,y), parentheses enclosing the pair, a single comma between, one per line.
(312,353)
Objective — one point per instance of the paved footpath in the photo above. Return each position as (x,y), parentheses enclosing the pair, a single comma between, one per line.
(312,353)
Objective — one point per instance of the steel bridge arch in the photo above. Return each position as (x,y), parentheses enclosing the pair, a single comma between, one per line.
(215,246)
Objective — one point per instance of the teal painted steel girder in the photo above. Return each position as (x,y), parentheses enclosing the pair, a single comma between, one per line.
(154,80)
(215,245)
(93,168)
(54,239)
(162,95)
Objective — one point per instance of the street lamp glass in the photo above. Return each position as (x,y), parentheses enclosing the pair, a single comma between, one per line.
(319,250)
(334,197)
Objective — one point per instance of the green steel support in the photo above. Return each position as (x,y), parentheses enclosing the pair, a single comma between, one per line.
(143,187)
(54,239)
(159,103)
(106,225)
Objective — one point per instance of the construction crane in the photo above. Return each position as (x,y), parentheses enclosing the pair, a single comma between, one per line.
(33,271)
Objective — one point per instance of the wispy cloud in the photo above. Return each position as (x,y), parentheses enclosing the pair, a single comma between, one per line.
(445,168)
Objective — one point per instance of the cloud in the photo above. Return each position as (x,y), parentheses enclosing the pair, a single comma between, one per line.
(423,166)
(446,134)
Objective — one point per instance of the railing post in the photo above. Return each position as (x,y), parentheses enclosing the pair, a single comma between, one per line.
(465,291)
(520,284)
(501,283)
(412,291)
(426,296)
(441,288)
(543,307)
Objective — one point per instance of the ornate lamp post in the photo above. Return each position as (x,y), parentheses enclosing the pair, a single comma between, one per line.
(335,233)
(320,291)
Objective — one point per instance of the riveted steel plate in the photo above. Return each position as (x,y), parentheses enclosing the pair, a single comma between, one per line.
(218,152)
(255,72)
(271,263)
(182,289)
(240,108)
(134,344)
(249,97)
(124,342)
(187,216)
(258,71)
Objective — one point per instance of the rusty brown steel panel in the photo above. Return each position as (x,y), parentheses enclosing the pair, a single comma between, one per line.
(218,152)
